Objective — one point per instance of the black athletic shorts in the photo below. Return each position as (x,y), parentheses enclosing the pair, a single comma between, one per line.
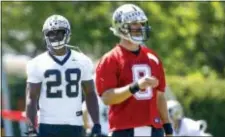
(60,130)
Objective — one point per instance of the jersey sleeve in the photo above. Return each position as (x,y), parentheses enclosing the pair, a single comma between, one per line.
(88,70)
(162,82)
(193,129)
(106,75)
(32,72)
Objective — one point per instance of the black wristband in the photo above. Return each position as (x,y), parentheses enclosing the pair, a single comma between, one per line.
(168,128)
(134,87)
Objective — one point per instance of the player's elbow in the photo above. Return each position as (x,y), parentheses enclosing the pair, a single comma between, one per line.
(161,96)
(105,100)
(109,102)
(108,98)
(31,98)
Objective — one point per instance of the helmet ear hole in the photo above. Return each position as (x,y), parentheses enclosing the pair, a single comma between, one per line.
(123,31)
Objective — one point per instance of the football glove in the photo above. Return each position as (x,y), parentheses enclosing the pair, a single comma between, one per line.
(96,130)
(168,129)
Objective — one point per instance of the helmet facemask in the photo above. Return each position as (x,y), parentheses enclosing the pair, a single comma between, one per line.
(57,39)
(140,34)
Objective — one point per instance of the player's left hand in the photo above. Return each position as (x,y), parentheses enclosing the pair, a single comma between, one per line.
(96,130)
(168,129)
(31,133)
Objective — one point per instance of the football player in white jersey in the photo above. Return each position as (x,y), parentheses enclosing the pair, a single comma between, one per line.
(184,126)
(55,81)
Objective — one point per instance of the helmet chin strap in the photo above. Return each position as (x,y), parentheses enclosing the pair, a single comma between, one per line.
(127,38)
(57,45)
(51,48)
(138,41)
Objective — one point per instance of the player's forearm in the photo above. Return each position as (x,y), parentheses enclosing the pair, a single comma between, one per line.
(31,112)
(32,95)
(92,106)
(85,115)
(162,107)
(85,119)
(116,96)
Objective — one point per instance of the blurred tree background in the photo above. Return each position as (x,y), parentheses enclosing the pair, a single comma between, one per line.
(188,36)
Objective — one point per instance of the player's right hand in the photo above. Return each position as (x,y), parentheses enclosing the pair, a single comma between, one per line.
(31,132)
(147,81)
(96,130)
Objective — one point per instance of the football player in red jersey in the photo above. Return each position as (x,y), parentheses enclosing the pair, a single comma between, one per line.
(130,79)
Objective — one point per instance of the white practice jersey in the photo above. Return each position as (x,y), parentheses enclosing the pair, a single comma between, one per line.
(60,99)
(189,127)
(103,112)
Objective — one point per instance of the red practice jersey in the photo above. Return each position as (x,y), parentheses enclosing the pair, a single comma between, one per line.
(120,67)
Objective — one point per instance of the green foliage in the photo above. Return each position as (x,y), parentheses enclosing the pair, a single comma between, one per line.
(186,35)
(17,87)
(202,98)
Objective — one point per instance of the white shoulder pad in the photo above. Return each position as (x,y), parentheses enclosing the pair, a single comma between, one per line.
(153,57)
